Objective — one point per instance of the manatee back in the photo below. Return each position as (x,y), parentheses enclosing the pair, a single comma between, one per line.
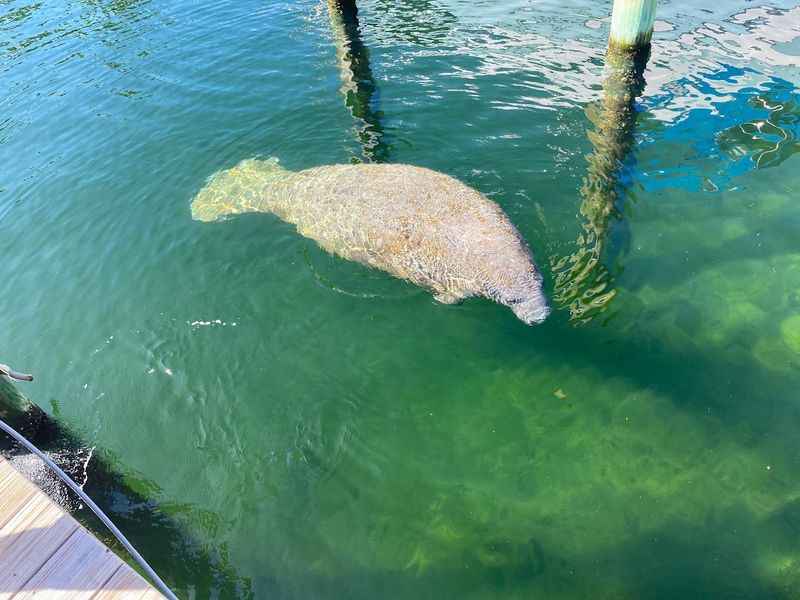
(413,222)
(375,197)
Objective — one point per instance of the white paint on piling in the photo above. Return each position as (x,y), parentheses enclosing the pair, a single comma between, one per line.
(632,23)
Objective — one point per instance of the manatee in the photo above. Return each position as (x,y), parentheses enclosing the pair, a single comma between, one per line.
(414,223)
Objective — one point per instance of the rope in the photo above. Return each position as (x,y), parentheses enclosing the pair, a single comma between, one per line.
(9,372)
(162,587)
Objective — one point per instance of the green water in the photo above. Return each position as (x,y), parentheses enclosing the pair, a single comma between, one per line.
(335,433)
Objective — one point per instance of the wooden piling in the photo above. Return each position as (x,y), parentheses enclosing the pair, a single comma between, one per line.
(358,84)
(348,6)
(632,23)
(583,283)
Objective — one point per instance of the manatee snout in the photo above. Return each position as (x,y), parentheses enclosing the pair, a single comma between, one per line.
(531,311)
(527,301)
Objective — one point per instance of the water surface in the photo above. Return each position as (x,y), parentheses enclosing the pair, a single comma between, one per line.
(335,433)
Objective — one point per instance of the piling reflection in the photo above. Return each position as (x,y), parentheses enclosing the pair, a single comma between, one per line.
(767,140)
(358,84)
(583,283)
(192,568)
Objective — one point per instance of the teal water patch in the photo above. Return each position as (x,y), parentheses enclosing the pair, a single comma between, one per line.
(331,432)
(754,129)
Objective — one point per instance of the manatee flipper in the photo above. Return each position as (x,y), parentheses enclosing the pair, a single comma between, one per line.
(234,190)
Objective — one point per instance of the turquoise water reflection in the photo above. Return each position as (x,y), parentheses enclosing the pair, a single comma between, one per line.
(333,432)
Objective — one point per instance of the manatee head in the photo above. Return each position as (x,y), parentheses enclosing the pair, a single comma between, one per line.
(527,302)
(508,275)
(519,287)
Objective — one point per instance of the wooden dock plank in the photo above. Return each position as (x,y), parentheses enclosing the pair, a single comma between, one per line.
(125,585)
(12,498)
(29,539)
(76,571)
(46,553)
(5,469)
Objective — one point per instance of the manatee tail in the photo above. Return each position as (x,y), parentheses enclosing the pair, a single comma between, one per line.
(239,189)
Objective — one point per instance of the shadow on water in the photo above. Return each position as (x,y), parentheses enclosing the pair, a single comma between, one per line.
(190,567)
(582,282)
(724,549)
(729,252)
(716,559)
(709,386)
(358,83)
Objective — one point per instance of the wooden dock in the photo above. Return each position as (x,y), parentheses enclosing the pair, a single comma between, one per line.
(45,553)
